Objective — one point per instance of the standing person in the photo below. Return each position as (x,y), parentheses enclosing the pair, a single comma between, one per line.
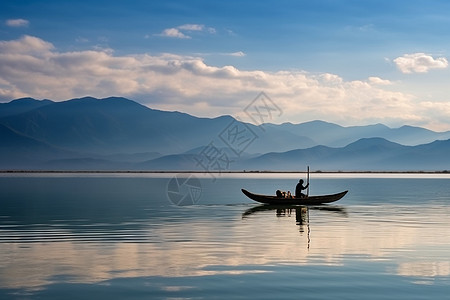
(299,188)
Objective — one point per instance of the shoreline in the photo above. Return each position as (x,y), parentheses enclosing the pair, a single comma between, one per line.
(210,172)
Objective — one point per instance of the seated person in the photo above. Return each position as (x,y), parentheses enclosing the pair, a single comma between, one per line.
(279,194)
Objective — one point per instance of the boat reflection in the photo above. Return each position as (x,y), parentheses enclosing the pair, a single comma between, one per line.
(301,214)
(283,209)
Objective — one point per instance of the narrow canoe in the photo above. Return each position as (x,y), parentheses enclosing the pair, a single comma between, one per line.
(311,200)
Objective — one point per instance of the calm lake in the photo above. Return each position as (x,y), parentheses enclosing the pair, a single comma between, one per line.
(196,236)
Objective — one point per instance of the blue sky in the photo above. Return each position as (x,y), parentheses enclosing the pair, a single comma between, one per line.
(349,62)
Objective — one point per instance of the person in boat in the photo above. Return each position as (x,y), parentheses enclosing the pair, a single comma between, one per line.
(299,188)
(279,194)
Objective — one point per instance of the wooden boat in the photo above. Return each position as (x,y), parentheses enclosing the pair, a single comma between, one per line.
(310,200)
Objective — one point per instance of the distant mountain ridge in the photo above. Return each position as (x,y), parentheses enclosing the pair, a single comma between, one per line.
(374,154)
(368,154)
(21,105)
(118,133)
(329,134)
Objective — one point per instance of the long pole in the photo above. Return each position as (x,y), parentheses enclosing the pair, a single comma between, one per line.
(307,182)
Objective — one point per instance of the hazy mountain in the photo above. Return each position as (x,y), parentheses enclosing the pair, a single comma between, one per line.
(85,164)
(329,134)
(111,125)
(369,154)
(119,125)
(131,157)
(18,151)
(22,105)
(117,133)
(176,162)
(363,155)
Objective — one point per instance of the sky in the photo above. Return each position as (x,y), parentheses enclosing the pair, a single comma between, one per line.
(347,62)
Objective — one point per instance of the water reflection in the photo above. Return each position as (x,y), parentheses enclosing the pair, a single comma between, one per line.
(91,231)
(301,214)
(282,209)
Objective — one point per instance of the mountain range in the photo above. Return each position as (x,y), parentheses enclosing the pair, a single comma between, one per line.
(119,134)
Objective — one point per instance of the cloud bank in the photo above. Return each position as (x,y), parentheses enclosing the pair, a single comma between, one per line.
(419,63)
(33,67)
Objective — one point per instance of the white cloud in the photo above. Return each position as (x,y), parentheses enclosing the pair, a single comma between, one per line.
(233,54)
(180,31)
(33,67)
(17,23)
(174,33)
(379,81)
(192,27)
(419,63)
(197,27)
(236,54)
(28,45)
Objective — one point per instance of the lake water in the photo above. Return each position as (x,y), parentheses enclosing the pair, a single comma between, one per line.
(161,236)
